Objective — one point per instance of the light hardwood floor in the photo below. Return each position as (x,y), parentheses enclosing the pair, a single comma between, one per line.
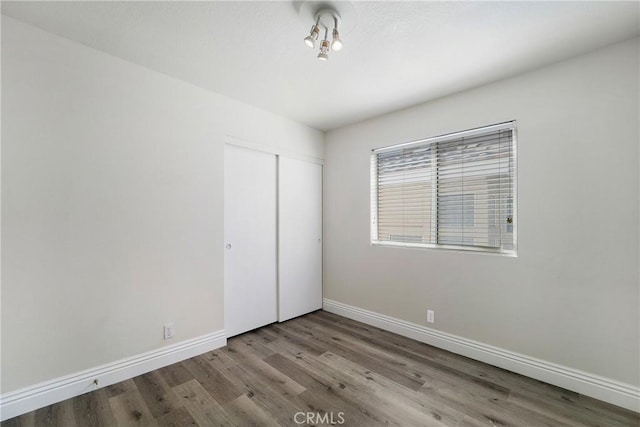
(321,368)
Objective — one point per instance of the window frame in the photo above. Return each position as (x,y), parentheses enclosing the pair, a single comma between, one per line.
(434,221)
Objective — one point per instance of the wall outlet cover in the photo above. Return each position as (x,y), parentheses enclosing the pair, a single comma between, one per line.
(431,316)
(169,331)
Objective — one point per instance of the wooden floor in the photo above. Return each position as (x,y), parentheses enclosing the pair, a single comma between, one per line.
(322,368)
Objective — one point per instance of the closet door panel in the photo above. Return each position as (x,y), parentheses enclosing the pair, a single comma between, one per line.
(250,239)
(300,237)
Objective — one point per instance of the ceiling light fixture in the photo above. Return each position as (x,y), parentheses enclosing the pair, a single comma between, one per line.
(328,16)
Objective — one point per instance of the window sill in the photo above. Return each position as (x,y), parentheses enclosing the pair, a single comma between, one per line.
(447,248)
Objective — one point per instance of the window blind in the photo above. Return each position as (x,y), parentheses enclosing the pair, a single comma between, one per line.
(454,190)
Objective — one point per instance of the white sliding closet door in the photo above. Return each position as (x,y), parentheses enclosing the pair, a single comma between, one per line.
(250,239)
(300,237)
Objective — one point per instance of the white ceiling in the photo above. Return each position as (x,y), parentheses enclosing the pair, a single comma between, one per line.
(399,53)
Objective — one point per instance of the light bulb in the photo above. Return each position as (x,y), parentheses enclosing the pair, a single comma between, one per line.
(337,42)
(310,40)
(324,50)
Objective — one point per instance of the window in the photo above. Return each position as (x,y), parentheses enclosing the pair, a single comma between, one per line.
(454,191)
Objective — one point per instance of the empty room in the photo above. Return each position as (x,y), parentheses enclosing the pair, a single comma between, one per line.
(314,213)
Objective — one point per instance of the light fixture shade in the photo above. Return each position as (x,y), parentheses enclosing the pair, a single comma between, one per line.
(310,40)
(337,41)
(323,56)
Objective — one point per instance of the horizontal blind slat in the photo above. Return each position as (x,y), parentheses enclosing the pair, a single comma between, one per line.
(471,178)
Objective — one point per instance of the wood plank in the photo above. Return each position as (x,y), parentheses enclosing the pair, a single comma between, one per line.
(217,385)
(391,390)
(428,369)
(393,370)
(119,388)
(276,330)
(276,405)
(363,394)
(460,363)
(399,341)
(494,411)
(245,412)
(220,359)
(276,380)
(203,408)
(571,411)
(129,409)
(380,338)
(93,410)
(177,418)
(324,397)
(306,346)
(331,406)
(263,336)
(175,374)
(59,414)
(288,332)
(252,343)
(468,421)
(611,411)
(156,393)
(25,420)
(325,315)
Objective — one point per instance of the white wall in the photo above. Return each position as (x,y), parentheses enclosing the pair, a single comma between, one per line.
(571,297)
(112,192)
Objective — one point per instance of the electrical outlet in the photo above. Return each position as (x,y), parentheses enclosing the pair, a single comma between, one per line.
(431,316)
(169,331)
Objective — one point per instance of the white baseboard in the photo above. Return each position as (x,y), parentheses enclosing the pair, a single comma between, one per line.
(46,393)
(608,390)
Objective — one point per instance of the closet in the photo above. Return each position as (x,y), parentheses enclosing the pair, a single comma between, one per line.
(273,238)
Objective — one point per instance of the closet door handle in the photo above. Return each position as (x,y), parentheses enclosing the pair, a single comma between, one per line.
(228,246)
